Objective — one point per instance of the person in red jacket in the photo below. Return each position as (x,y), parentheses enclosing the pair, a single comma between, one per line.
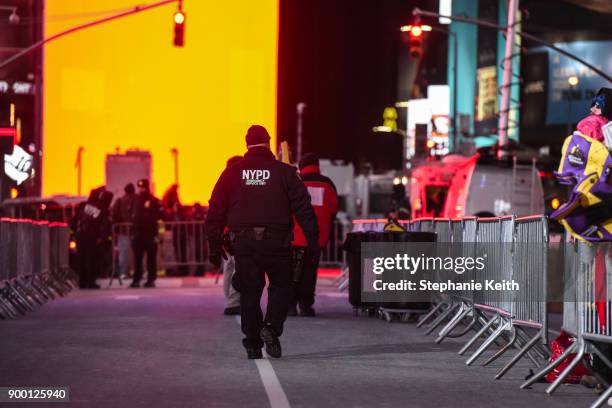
(324,200)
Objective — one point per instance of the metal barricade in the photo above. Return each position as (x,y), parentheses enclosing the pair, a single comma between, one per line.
(527,306)
(587,313)
(29,253)
(182,248)
(333,254)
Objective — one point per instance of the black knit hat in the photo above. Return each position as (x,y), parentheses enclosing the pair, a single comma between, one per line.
(604,100)
(129,188)
(309,159)
(257,134)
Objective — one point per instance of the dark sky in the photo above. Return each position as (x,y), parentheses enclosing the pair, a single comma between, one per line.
(340,57)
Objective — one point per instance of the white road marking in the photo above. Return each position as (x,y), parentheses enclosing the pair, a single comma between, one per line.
(334,294)
(274,390)
(127,297)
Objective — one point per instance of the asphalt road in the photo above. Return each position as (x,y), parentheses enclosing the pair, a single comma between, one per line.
(172,347)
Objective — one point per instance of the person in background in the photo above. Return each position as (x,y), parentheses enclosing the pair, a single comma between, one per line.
(232,296)
(400,203)
(198,215)
(92,229)
(147,212)
(601,114)
(324,200)
(122,214)
(174,212)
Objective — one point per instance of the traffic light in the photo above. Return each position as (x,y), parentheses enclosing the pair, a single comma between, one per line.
(179,28)
(415,41)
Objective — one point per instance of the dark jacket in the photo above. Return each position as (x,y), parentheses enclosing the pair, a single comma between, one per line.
(260,191)
(123,208)
(93,218)
(324,200)
(147,211)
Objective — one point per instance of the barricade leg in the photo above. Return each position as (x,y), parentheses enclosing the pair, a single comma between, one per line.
(441,318)
(488,342)
(550,366)
(432,313)
(454,322)
(31,293)
(579,356)
(466,329)
(518,356)
(15,299)
(21,297)
(501,351)
(8,309)
(603,398)
(478,335)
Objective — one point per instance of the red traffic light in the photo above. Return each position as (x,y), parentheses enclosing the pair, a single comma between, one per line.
(415,34)
(416,31)
(179,28)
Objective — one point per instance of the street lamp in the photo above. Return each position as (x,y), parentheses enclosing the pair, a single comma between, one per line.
(573,82)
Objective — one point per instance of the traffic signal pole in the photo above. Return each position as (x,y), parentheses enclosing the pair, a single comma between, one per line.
(128,12)
(418,12)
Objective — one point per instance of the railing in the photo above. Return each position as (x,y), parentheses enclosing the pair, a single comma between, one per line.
(34,265)
(183,248)
(520,317)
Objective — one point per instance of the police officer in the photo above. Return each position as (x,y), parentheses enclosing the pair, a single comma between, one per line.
(147,211)
(257,199)
(92,231)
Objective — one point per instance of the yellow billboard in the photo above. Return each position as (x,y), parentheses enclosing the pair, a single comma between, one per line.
(124,85)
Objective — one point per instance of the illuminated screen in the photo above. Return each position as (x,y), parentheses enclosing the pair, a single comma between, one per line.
(124,85)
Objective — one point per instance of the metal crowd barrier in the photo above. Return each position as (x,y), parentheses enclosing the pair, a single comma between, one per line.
(519,319)
(34,265)
(587,312)
(513,315)
(182,247)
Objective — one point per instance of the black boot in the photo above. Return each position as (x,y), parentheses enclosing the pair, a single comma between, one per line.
(273,346)
(254,353)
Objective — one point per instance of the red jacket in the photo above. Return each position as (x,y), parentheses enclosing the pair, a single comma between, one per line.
(324,200)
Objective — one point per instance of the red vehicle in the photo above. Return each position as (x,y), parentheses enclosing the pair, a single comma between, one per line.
(457,186)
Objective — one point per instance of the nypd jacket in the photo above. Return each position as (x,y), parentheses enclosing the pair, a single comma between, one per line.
(324,200)
(259,191)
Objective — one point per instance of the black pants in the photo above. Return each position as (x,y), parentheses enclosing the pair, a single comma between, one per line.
(140,245)
(305,285)
(89,262)
(255,259)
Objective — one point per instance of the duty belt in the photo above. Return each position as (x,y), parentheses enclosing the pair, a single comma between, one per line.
(261,233)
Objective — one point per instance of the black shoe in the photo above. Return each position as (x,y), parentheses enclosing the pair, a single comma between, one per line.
(292,310)
(149,284)
(254,353)
(307,312)
(135,285)
(232,311)
(273,346)
(94,286)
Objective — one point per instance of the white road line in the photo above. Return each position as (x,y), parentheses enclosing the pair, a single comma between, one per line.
(127,297)
(274,390)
